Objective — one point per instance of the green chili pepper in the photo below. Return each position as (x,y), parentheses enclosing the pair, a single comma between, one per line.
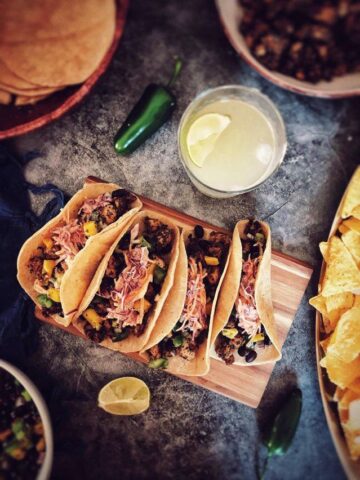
(178,340)
(153,109)
(159,274)
(44,300)
(282,430)
(159,363)
(145,243)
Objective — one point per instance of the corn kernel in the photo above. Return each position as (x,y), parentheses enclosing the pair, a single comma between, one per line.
(93,318)
(90,228)
(48,243)
(54,294)
(259,337)
(212,261)
(48,266)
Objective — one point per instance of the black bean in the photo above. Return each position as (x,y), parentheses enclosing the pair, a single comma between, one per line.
(242,351)
(250,356)
(199,231)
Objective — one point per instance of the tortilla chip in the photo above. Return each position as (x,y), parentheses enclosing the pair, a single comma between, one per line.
(345,342)
(344,402)
(356,301)
(341,301)
(342,274)
(352,243)
(355,386)
(343,228)
(60,61)
(353,224)
(353,442)
(331,318)
(319,303)
(323,249)
(340,373)
(356,212)
(352,196)
(325,343)
(339,392)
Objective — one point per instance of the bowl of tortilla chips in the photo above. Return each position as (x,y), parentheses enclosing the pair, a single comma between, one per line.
(338,328)
(51,56)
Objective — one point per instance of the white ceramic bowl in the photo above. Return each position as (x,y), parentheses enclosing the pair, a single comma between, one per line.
(45,469)
(230,13)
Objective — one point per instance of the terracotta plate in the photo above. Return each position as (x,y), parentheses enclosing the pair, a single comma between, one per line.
(230,13)
(16,121)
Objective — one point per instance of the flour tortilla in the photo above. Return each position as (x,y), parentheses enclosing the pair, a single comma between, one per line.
(60,61)
(9,79)
(23,21)
(171,312)
(21,100)
(263,299)
(5,97)
(96,247)
(132,343)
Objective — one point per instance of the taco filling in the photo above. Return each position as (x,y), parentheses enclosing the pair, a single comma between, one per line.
(244,332)
(131,285)
(64,241)
(206,261)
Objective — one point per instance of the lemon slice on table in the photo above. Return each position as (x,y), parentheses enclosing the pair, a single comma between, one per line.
(203,135)
(124,396)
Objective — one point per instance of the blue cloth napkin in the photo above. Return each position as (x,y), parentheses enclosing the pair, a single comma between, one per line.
(17,223)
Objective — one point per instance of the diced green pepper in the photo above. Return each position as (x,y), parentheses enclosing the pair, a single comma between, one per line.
(145,243)
(178,340)
(159,363)
(26,395)
(259,237)
(159,275)
(44,300)
(229,332)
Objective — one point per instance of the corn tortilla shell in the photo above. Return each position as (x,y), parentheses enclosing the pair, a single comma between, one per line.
(345,342)
(263,301)
(58,62)
(352,243)
(73,290)
(21,21)
(171,312)
(132,343)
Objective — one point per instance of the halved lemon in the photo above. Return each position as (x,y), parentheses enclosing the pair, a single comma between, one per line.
(124,396)
(203,134)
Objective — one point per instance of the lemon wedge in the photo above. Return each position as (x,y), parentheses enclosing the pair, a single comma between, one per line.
(124,396)
(203,135)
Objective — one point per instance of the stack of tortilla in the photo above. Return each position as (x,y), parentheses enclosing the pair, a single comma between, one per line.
(339,304)
(47,45)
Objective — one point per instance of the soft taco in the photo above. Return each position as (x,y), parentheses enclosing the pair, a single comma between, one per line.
(244,330)
(180,340)
(131,284)
(90,221)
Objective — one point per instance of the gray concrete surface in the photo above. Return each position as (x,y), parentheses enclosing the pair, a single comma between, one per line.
(189,432)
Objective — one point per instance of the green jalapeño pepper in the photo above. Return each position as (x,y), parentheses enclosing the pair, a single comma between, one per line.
(282,430)
(153,109)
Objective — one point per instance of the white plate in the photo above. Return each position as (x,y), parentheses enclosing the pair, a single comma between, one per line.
(230,13)
(45,469)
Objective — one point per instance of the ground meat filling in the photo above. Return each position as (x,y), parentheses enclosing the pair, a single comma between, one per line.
(206,261)
(139,259)
(53,258)
(244,332)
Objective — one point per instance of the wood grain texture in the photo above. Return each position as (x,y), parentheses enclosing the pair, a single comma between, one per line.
(352,468)
(290,278)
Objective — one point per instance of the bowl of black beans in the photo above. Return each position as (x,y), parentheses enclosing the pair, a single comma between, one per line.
(306,46)
(26,440)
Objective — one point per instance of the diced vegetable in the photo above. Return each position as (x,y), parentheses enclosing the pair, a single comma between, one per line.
(16,452)
(54,294)
(48,266)
(159,363)
(17,426)
(259,337)
(229,332)
(178,340)
(211,261)
(40,446)
(159,275)
(145,243)
(259,237)
(90,228)
(48,243)
(26,395)
(93,318)
(44,300)
(121,335)
(147,305)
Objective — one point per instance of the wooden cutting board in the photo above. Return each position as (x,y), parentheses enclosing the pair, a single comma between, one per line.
(290,278)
